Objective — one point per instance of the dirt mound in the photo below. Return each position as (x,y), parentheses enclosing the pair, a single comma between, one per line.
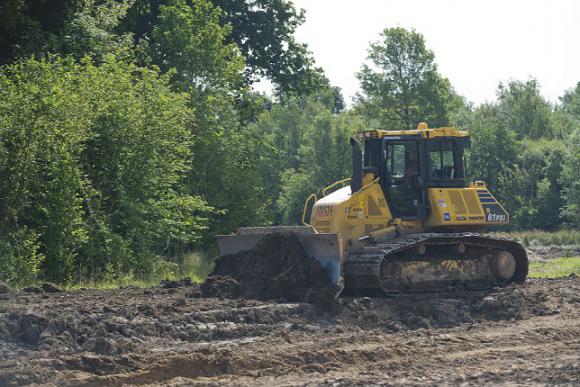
(174,284)
(446,310)
(277,268)
(540,253)
(4,289)
(32,289)
(49,287)
(29,328)
(221,287)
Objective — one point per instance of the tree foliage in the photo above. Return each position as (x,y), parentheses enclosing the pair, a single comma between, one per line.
(524,150)
(306,148)
(571,102)
(570,180)
(30,27)
(525,110)
(91,164)
(90,27)
(494,148)
(401,85)
(189,38)
(324,158)
(264,32)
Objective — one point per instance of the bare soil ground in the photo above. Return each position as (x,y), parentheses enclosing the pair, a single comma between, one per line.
(544,253)
(172,336)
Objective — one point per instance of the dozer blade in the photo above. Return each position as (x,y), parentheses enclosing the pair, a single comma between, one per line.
(323,247)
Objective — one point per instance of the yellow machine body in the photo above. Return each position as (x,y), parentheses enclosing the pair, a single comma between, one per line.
(367,212)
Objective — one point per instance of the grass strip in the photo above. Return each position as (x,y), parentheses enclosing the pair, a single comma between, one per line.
(555,268)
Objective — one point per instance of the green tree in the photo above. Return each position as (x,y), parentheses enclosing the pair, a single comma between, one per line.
(20,258)
(44,122)
(189,41)
(264,32)
(494,149)
(570,102)
(281,132)
(93,29)
(92,165)
(89,27)
(189,38)
(30,27)
(324,156)
(570,180)
(569,112)
(524,109)
(539,192)
(401,86)
(521,148)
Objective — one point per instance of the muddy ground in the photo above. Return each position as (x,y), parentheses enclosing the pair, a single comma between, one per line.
(172,336)
(268,316)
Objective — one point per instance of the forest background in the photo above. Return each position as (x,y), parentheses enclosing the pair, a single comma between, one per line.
(130,134)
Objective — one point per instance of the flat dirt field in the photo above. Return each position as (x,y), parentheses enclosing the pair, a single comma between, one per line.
(171,336)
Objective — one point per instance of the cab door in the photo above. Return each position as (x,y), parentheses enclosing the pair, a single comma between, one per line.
(402,179)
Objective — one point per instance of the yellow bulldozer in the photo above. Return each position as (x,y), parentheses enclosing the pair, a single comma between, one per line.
(407,220)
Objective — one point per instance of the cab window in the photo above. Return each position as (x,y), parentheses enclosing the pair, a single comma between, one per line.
(397,160)
(441,160)
(402,162)
(372,153)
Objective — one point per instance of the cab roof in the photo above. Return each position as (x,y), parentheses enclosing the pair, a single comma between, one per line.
(422,130)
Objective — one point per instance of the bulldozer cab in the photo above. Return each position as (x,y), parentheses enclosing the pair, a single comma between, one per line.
(410,161)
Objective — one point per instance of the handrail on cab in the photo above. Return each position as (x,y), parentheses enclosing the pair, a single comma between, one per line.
(306,208)
(324,190)
(371,183)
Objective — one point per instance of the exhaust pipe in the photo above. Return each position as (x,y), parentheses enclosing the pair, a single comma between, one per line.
(357,169)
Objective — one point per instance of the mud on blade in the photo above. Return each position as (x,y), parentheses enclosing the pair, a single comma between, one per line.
(324,248)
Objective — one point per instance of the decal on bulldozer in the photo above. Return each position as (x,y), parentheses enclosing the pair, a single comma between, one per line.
(324,211)
(494,213)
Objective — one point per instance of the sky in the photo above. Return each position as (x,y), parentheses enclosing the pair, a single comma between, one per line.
(477,44)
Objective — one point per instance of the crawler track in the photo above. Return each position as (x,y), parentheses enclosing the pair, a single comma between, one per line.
(431,262)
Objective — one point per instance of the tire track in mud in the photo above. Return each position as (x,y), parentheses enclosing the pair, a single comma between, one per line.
(355,354)
(528,334)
